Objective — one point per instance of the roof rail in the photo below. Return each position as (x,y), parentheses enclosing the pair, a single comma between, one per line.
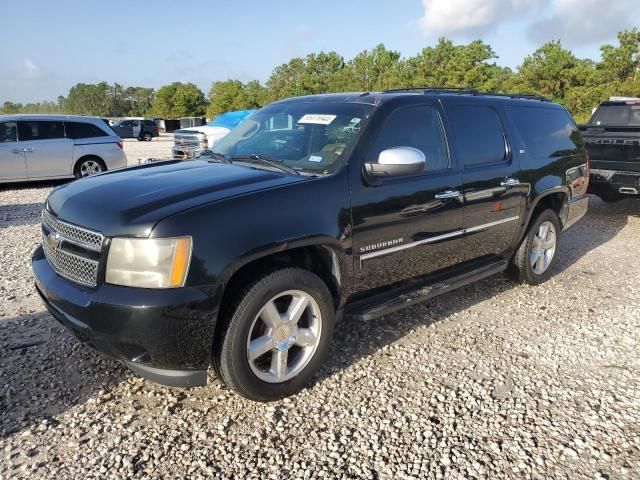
(468,91)
(525,96)
(433,90)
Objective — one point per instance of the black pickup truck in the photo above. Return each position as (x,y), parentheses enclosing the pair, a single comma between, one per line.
(356,204)
(612,138)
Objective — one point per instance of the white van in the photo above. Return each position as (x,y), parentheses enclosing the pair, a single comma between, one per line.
(40,147)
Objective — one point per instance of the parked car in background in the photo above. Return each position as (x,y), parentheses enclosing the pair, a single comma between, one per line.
(360,204)
(191,142)
(38,147)
(612,138)
(143,130)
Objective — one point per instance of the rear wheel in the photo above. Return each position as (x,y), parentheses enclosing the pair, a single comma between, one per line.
(534,260)
(276,336)
(89,166)
(147,136)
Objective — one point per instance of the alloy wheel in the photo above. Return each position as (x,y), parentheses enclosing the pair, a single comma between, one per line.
(543,247)
(284,336)
(90,167)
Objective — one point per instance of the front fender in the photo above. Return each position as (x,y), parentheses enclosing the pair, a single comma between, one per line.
(230,233)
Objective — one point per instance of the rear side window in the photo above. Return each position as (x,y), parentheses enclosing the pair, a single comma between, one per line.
(84,130)
(39,130)
(418,127)
(546,132)
(149,123)
(479,135)
(8,132)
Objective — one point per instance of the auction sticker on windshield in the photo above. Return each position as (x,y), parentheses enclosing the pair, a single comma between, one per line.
(317,118)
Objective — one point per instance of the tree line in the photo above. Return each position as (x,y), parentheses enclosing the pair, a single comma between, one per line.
(552,71)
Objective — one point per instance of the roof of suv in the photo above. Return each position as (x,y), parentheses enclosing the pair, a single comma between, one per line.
(378,98)
(42,116)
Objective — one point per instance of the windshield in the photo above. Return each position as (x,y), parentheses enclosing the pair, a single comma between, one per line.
(230,120)
(312,138)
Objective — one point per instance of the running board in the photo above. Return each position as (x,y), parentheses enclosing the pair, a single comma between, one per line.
(398,300)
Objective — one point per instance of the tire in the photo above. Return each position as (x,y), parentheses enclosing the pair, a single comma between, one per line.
(147,137)
(87,166)
(534,260)
(246,328)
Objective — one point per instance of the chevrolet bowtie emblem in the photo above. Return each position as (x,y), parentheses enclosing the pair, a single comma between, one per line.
(53,240)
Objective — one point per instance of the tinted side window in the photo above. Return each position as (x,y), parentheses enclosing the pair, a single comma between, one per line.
(418,127)
(39,130)
(479,135)
(546,132)
(149,123)
(8,132)
(83,130)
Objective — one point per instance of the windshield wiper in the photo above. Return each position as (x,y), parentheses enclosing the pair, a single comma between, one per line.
(279,164)
(219,156)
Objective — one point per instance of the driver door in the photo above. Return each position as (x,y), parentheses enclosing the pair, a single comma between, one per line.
(409,226)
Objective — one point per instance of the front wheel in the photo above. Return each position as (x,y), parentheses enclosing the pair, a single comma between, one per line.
(534,260)
(277,335)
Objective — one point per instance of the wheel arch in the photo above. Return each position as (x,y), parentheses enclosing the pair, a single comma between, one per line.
(555,199)
(325,260)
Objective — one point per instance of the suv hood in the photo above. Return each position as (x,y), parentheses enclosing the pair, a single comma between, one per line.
(207,130)
(131,201)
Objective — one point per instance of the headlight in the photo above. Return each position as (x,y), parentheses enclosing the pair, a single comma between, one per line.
(149,262)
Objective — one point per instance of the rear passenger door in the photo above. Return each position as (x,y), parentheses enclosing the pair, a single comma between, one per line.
(48,152)
(12,161)
(493,193)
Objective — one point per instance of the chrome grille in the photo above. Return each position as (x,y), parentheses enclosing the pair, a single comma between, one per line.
(71,264)
(74,234)
(188,140)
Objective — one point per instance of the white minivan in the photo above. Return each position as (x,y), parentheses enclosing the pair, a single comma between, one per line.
(40,147)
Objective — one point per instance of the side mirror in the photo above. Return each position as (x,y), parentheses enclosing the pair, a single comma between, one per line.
(397,162)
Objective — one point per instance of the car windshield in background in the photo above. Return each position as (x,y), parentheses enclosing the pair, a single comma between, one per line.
(311,138)
(230,120)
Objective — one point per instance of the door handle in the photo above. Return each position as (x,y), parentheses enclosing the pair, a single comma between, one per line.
(28,150)
(447,194)
(510,182)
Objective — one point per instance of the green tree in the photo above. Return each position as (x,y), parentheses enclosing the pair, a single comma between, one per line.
(373,70)
(550,71)
(179,100)
(458,66)
(225,96)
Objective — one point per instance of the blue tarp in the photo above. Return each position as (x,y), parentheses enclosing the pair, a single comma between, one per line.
(230,120)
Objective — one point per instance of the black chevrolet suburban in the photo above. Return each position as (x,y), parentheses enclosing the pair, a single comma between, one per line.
(612,139)
(314,208)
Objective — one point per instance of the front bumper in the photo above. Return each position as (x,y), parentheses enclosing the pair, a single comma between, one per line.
(163,335)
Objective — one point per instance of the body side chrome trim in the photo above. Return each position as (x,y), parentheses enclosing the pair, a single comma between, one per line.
(491,224)
(437,238)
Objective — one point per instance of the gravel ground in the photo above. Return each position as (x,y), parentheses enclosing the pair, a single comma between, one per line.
(492,381)
(159,147)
